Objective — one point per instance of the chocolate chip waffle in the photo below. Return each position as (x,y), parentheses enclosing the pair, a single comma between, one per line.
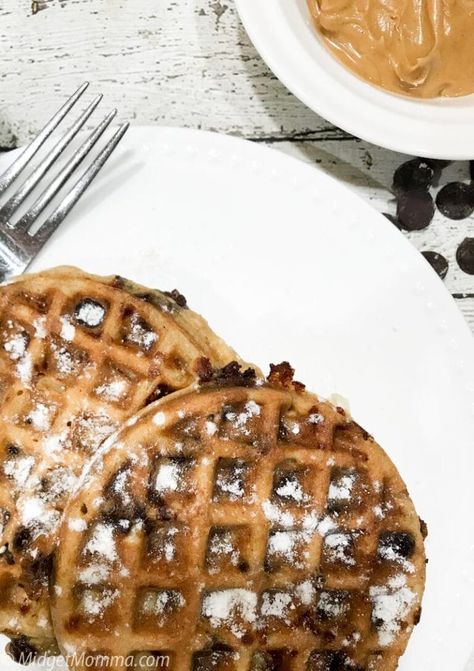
(239,527)
(78,356)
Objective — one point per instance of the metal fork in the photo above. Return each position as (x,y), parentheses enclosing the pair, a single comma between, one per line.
(18,245)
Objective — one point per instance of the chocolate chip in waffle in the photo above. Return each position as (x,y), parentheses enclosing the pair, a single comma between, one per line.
(242,528)
(78,355)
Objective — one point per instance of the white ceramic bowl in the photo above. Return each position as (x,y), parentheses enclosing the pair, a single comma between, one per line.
(283,33)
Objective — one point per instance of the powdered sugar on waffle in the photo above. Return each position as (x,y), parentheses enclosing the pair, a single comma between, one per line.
(336,546)
(341,490)
(91,314)
(239,419)
(93,429)
(68,331)
(61,481)
(315,418)
(102,542)
(333,608)
(388,553)
(140,335)
(40,416)
(64,360)
(274,514)
(120,486)
(77,524)
(229,606)
(16,346)
(37,516)
(19,469)
(305,592)
(232,483)
(38,494)
(168,550)
(286,544)
(161,602)
(95,603)
(233,608)
(291,489)
(55,443)
(39,325)
(159,419)
(24,369)
(277,604)
(291,425)
(391,603)
(168,478)
(310,523)
(112,391)
(222,545)
(211,428)
(95,574)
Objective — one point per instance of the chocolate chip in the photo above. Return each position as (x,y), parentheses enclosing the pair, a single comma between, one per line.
(328,660)
(230,375)
(21,650)
(333,604)
(119,282)
(212,659)
(161,391)
(204,369)
(438,263)
(178,298)
(456,200)
(36,573)
(271,660)
(121,516)
(22,539)
(282,375)
(465,256)
(393,219)
(396,545)
(415,175)
(415,210)
(417,616)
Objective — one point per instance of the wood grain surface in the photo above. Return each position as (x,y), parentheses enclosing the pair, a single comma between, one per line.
(190,63)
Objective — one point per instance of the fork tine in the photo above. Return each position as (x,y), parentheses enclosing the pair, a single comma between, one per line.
(25,157)
(61,178)
(37,175)
(63,209)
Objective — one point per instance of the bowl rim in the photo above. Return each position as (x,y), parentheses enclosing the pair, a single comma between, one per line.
(441,128)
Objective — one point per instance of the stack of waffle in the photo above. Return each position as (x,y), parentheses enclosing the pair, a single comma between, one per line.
(162,504)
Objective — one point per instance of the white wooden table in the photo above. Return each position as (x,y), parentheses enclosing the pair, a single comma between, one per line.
(189,63)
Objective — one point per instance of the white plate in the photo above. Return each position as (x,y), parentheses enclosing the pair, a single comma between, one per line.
(288,264)
(284,35)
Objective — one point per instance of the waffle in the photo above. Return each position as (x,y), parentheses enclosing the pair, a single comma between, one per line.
(239,527)
(78,355)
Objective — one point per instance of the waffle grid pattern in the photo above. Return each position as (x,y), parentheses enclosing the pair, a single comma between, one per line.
(78,356)
(244,546)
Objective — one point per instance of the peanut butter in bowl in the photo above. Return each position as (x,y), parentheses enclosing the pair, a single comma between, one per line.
(420,48)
